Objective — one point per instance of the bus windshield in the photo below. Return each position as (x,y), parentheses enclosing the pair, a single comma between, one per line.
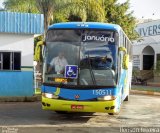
(91,52)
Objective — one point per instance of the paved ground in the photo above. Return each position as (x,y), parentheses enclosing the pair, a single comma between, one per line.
(140,111)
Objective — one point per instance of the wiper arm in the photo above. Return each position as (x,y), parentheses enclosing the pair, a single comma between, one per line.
(91,71)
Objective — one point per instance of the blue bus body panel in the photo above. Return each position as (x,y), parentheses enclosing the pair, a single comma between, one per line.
(89,94)
(85,25)
(84,94)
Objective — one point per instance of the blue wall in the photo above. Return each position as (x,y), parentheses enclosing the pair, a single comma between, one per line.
(16,83)
(19,83)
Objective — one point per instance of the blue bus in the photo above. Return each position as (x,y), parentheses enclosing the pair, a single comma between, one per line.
(87,68)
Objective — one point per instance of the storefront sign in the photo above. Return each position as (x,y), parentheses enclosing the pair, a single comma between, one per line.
(151,30)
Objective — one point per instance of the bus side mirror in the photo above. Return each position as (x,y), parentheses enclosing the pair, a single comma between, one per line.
(123,49)
(125,58)
(38,51)
(125,61)
(41,43)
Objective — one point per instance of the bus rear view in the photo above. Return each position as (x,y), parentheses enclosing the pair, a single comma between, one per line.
(83,68)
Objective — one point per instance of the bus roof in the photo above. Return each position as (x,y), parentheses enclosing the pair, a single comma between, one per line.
(85,25)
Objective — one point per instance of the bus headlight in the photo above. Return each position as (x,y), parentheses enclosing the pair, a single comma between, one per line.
(49,95)
(106,98)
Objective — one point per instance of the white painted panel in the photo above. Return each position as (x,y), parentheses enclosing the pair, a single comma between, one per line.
(19,42)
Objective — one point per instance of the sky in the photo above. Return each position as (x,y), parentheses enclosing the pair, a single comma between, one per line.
(143,9)
(1,1)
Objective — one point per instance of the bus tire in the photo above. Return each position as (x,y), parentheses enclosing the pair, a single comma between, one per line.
(127,98)
(61,112)
(111,113)
(116,113)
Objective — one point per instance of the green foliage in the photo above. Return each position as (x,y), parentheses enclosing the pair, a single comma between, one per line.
(117,13)
(59,17)
(109,11)
(20,6)
(87,10)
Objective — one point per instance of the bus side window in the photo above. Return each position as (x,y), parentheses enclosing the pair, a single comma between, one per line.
(120,60)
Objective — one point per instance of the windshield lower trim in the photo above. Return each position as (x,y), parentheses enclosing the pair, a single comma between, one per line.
(79,87)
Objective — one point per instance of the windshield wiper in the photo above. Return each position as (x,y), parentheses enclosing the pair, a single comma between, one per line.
(91,71)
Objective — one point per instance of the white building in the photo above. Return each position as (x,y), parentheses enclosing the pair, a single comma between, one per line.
(16,52)
(146,52)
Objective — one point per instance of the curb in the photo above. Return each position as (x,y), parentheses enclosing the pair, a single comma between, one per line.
(145,92)
(20,99)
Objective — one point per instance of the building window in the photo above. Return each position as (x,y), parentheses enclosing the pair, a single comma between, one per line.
(10,60)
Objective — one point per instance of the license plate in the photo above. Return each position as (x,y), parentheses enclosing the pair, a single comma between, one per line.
(78,107)
(60,80)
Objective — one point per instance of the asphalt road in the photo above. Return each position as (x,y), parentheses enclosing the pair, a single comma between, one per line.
(21,117)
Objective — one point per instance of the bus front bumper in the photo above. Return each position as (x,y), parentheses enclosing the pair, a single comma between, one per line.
(79,106)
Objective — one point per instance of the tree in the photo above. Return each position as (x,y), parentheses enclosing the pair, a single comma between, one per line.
(86,10)
(95,10)
(117,13)
(109,11)
(46,8)
(20,6)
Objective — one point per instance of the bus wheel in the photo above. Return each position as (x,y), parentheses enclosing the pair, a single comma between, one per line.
(127,98)
(111,113)
(114,113)
(61,112)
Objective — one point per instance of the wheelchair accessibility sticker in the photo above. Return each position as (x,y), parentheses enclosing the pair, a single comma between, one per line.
(71,71)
